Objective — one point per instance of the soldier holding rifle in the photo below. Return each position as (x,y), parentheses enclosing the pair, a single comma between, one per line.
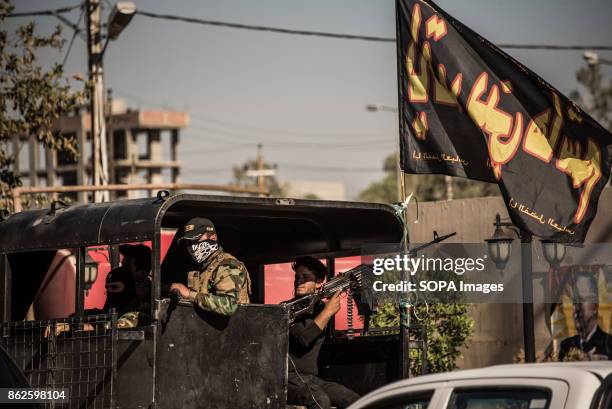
(306,335)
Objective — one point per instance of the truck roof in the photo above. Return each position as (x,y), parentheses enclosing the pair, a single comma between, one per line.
(249,226)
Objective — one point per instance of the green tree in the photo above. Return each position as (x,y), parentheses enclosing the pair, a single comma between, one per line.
(425,187)
(311,196)
(595,94)
(447,324)
(31,97)
(241,179)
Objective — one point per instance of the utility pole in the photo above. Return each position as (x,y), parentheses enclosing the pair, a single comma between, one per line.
(261,182)
(99,162)
(260,172)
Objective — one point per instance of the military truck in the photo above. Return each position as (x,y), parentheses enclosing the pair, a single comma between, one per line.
(185,358)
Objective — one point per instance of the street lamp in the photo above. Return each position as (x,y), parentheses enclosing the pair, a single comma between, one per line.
(593,59)
(554,252)
(500,244)
(119,18)
(500,248)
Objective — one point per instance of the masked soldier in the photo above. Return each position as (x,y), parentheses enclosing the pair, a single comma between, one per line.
(220,282)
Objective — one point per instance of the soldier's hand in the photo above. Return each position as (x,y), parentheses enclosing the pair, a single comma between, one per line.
(181,289)
(332,306)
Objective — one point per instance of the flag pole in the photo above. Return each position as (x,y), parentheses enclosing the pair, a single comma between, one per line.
(404,305)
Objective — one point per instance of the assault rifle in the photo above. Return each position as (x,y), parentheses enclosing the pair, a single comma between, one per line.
(355,279)
(352,278)
(436,239)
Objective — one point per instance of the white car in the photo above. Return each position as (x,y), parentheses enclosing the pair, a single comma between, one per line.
(571,385)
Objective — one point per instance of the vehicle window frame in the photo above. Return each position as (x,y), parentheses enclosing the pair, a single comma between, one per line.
(393,400)
(502,388)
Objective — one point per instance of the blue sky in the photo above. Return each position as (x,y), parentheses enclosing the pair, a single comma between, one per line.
(304,97)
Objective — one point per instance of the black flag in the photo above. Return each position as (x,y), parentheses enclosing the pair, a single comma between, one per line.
(468,109)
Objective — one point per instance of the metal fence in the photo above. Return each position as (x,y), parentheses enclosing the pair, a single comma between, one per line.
(78,355)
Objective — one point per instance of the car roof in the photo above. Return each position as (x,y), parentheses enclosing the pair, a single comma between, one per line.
(558,370)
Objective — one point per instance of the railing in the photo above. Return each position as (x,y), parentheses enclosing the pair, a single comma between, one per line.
(19,192)
(78,355)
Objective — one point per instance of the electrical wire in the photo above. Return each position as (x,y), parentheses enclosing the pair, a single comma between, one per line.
(290,166)
(285,132)
(52,12)
(261,28)
(256,138)
(556,47)
(329,168)
(74,34)
(206,119)
(194,20)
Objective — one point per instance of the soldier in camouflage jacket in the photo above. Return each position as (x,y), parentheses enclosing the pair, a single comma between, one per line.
(220,282)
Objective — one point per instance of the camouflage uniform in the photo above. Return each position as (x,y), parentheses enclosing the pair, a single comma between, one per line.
(139,314)
(136,318)
(220,285)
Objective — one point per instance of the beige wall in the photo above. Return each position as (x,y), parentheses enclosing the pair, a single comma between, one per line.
(498,327)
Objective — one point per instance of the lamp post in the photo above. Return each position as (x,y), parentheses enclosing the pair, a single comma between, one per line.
(119,18)
(500,245)
(554,252)
(500,248)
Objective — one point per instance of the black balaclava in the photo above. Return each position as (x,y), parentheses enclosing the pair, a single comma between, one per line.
(120,289)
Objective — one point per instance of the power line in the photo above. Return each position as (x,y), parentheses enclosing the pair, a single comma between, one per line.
(556,47)
(285,132)
(257,138)
(52,12)
(282,166)
(329,168)
(262,28)
(74,34)
(192,152)
(200,117)
(287,143)
(349,36)
(193,20)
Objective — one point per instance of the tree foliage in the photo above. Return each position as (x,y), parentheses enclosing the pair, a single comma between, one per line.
(241,179)
(32,98)
(595,96)
(448,328)
(425,187)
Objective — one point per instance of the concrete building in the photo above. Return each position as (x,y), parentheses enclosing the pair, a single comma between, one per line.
(142,148)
